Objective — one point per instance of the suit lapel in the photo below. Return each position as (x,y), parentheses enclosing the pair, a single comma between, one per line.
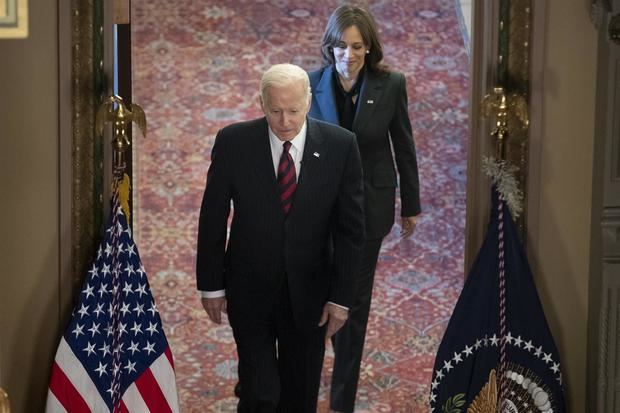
(324,95)
(369,99)
(264,164)
(314,154)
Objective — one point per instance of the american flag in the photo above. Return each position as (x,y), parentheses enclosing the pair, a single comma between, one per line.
(114,356)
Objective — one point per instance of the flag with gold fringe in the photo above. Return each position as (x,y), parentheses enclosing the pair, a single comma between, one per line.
(497,354)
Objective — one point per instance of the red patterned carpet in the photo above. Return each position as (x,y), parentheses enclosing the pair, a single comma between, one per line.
(196,67)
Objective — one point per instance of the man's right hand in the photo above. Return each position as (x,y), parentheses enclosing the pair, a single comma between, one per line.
(215,307)
(335,316)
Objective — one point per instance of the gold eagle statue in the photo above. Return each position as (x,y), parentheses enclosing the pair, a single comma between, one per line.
(113,109)
(511,107)
(120,116)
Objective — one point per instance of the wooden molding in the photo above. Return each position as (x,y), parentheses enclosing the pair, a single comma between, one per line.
(122,11)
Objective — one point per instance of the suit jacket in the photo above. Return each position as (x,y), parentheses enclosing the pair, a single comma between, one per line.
(381,116)
(316,246)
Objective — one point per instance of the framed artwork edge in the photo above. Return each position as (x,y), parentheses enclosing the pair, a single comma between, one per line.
(13,19)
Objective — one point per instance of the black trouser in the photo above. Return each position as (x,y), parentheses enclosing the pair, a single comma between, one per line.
(348,342)
(279,365)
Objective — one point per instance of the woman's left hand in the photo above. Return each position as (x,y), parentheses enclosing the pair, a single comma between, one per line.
(408,225)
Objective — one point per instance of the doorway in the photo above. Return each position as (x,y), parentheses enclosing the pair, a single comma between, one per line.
(196,67)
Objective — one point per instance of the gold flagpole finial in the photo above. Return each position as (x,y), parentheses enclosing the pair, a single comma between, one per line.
(113,109)
(510,112)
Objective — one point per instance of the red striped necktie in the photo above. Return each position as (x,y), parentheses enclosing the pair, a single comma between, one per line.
(287,178)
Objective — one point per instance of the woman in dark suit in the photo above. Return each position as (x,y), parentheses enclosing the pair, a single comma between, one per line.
(356,91)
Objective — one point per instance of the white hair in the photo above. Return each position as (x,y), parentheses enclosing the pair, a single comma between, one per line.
(284,74)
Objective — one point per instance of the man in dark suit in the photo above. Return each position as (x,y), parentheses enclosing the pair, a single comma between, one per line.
(284,276)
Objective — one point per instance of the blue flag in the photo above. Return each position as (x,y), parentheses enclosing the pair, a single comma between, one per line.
(497,349)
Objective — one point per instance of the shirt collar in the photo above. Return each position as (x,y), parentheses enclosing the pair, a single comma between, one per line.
(297,142)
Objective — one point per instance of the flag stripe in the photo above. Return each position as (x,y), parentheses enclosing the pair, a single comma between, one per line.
(53,405)
(133,400)
(65,393)
(77,375)
(168,354)
(151,393)
(164,374)
(123,407)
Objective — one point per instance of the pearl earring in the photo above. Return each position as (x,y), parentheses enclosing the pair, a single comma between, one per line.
(367,51)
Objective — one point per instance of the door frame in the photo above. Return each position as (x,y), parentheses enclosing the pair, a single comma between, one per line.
(602,389)
(84,199)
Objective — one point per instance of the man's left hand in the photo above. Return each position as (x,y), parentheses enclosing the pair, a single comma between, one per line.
(214,308)
(408,225)
(335,317)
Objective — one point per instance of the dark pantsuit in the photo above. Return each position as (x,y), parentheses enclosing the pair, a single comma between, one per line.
(348,342)
(384,136)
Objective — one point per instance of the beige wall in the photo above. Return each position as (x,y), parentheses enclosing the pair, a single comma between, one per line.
(560,243)
(29,212)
